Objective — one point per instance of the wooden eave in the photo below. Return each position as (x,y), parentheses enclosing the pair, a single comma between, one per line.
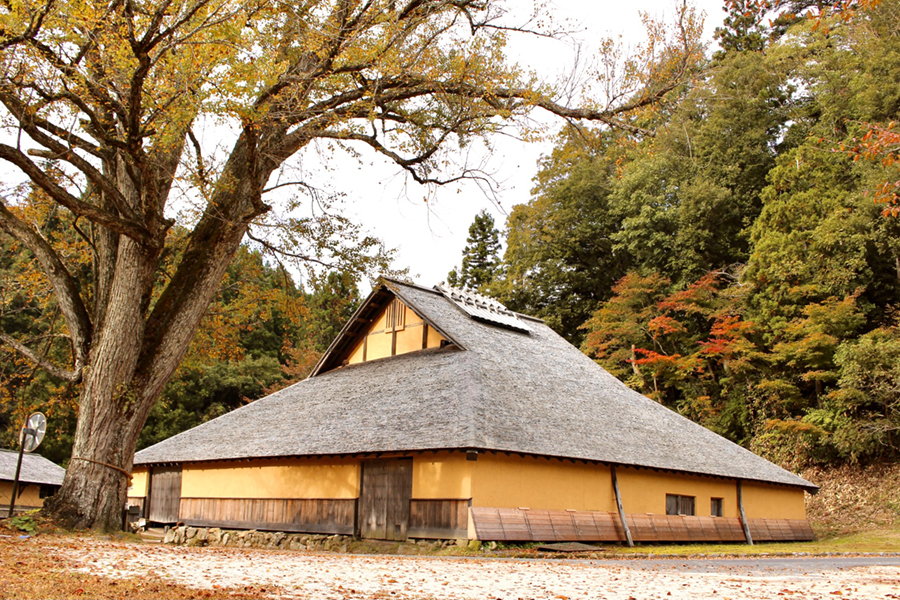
(419,452)
(358,324)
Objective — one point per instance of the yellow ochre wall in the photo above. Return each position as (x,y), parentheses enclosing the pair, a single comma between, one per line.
(763,501)
(442,476)
(287,478)
(644,491)
(525,482)
(29,497)
(513,481)
(138,487)
(380,340)
(494,480)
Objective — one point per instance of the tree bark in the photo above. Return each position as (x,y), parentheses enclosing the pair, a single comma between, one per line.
(136,351)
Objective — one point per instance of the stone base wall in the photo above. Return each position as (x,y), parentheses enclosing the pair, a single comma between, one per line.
(239,538)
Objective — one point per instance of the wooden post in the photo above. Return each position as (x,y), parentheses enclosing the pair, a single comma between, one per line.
(740,499)
(615,482)
(26,431)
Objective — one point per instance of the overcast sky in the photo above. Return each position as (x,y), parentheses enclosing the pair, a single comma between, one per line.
(430,236)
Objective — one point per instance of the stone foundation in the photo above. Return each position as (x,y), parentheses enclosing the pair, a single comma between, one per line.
(239,538)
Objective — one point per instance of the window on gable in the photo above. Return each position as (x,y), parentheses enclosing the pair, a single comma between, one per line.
(679,505)
(395,316)
(715,507)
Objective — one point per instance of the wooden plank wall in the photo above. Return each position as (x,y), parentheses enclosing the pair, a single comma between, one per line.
(510,524)
(780,530)
(439,519)
(384,499)
(308,515)
(136,501)
(165,494)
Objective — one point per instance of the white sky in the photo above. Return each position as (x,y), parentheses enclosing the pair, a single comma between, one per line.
(430,236)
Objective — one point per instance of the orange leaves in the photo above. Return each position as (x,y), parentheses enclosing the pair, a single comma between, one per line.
(881,144)
(651,357)
(664,324)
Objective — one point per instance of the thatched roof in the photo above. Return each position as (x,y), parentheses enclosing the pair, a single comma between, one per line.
(35,468)
(495,389)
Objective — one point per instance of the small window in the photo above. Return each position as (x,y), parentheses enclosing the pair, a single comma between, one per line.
(395,317)
(715,507)
(679,505)
(47,490)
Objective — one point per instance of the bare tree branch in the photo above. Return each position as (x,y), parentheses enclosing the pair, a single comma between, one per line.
(71,376)
(64,285)
(78,207)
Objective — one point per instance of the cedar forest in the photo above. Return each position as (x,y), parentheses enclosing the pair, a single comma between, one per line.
(741,265)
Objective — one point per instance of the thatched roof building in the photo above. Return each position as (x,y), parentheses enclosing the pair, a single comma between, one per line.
(38,479)
(440,376)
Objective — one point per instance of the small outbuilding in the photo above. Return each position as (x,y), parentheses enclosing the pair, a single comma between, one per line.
(38,479)
(438,413)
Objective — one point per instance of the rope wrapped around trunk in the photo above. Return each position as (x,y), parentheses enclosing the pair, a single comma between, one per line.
(97,462)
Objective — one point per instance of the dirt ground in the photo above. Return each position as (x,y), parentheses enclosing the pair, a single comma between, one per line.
(280,574)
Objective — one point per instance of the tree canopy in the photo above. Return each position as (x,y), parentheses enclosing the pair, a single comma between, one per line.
(105,105)
(742,265)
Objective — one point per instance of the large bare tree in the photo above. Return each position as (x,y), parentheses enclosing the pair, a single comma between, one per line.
(100,102)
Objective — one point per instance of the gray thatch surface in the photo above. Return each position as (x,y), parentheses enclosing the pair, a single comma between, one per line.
(35,468)
(531,393)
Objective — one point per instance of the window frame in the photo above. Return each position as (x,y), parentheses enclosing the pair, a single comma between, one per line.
(679,505)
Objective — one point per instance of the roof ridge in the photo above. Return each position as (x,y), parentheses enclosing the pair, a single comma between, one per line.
(408,284)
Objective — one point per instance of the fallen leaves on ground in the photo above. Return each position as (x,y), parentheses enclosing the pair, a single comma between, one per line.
(30,572)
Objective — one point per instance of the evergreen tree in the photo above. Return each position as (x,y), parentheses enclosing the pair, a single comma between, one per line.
(560,262)
(481,256)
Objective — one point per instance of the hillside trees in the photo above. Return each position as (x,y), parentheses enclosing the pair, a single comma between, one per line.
(560,260)
(104,103)
(740,265)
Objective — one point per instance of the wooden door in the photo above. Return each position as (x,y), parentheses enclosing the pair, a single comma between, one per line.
(165,494)
(384,498)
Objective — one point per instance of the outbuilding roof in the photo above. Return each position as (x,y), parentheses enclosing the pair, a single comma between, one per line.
(35,468)
(495,388)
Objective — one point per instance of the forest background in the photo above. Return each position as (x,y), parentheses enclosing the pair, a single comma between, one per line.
(741,266)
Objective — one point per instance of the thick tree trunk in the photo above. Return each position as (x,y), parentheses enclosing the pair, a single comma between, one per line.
(134,354)
(111,411)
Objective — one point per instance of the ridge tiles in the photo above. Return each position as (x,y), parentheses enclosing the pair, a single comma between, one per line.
(483,308)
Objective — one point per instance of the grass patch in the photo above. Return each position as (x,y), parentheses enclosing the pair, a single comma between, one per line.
(861,542)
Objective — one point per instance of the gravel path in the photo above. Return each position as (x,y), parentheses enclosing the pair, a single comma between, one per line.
(344,577)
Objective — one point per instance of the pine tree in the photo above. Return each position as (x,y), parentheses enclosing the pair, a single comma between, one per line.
(481,256)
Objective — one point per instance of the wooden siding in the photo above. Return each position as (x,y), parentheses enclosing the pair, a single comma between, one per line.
(384,498)
(780,530)
(165,494)
(509,524)
(136,501)
(308,515)
(438,518)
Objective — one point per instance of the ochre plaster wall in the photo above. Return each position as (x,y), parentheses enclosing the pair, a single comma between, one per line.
(378,345)
(138,487)
(29,497)
(644,491)
(513,481)
(442,476)
(357,355)
(380,342)
(763,501)
(288,478)
(409,339)
(525,482)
